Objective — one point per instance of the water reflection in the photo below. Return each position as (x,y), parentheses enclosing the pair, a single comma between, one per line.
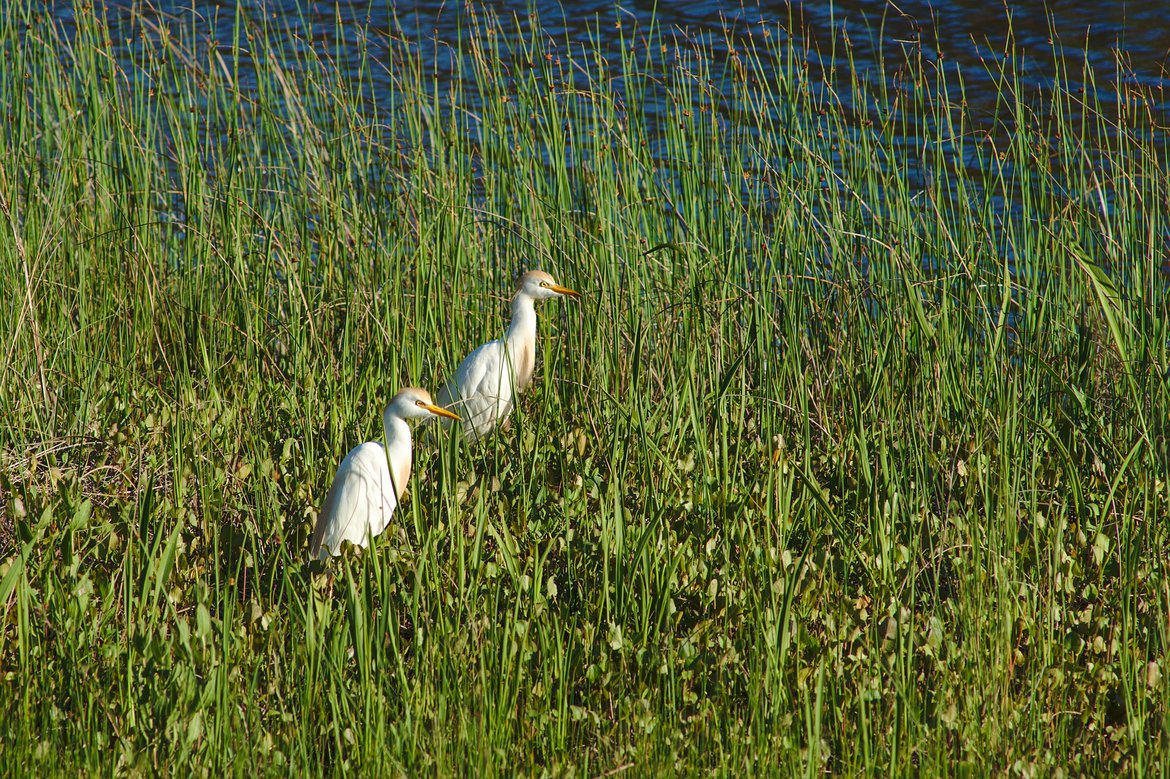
(365,42)
(966,33)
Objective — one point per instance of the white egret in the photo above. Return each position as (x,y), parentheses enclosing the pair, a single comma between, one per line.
(371,479)
(485,386)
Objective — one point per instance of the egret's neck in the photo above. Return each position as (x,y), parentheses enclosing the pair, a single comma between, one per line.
(398,453)
(523,327)
(521,341)
(396,430)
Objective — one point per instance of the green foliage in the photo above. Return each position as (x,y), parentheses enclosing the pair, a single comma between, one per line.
(852,459)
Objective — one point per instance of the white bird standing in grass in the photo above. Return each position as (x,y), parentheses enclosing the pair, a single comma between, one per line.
(485,386)
(371,479)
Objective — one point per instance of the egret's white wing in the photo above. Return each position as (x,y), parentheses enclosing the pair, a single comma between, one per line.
(359,504)
(480,391)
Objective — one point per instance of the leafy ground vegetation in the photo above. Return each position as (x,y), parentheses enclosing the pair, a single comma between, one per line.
(853,459)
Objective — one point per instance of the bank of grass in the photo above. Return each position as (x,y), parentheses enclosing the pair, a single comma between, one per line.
(853,457)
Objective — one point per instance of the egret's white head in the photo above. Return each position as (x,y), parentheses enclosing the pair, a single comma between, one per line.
(415,403)
(538,285)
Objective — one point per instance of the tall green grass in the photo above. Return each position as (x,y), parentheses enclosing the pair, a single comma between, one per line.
(853,458)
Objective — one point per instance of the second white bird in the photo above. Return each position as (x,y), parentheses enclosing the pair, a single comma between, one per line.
(484,388)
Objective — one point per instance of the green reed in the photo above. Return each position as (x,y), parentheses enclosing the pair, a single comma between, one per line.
(853,458)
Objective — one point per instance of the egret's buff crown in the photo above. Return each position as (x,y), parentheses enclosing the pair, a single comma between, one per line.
(484,387)
(371,478)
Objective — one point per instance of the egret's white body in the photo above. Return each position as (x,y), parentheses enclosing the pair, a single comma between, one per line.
(371,479)
(484,388)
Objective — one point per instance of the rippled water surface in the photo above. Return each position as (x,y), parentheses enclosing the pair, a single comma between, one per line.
(1120,41)
(1107,46)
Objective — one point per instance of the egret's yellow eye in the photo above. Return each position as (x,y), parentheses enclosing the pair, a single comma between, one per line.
(544,284)
(419,403)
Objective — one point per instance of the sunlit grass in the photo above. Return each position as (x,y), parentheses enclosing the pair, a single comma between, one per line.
(852,459)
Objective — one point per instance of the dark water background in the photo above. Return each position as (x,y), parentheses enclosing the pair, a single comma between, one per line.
(1124,44)
(1121,41)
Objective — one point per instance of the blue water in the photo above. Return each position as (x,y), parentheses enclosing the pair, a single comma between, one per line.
(966,33)
(1119,43)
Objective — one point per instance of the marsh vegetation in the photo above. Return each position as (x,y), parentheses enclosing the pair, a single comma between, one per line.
(851,458)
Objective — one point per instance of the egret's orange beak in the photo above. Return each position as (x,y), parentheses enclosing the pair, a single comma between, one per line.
(564,290)
(442,412)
